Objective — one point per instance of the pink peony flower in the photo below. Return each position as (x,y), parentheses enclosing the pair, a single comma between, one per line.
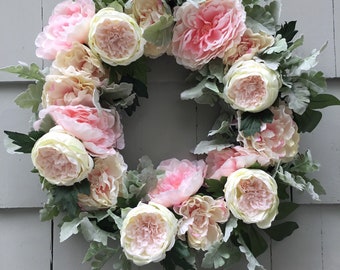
(100,131)
(205,32)
(224,162)
(148,232)
(278,140)
(64,90)
(181,180)
(105,181)
(250,45)
(200,215)
(116,37)
(81,61)
(69,22)
(61,158)
(251,195)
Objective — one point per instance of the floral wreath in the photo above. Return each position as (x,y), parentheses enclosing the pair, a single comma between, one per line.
(237,188)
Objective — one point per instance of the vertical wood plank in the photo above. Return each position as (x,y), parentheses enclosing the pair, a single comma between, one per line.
(315,23)
(301,250)
(20,22)
(19,187)
(324,143)
(337,35)
(330,237)
(24,240)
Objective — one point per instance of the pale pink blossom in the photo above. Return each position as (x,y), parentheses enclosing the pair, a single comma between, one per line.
(181,179)
(116,37)
(105,181)
(69,22)
(61,158)
(278,140)
(100,131)
(251,196)
(250,45)
(204,32)
(251,86)
(200,218)
(223,163)
(62,90)
(79,60)
(147,233)
(147,13)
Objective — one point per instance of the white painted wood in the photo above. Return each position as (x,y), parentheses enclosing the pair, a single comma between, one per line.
(20,22)
(303,249)
(337,35)
(324,143)
(24,240)
(315,23)
(19,187)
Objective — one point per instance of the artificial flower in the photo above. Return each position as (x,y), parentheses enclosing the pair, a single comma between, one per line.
(100,131)
(147,233)
(105,181)
(278,140)
(251,196)
(200,218)
(206,30)
(62,90)
(147,13)
(79,60)
(250,45)
(116,37)
(251,86)
(61,158)
(69,22)
(181,179)
(224,162)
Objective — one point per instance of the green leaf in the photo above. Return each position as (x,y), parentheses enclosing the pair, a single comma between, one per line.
(216,256)
(179,255)
(23,70)
(31,98)
(160,33)
(322,101)
(92,232)
(285,209)
(69,228)
(66,197)
(254,240)
(308,121)
(280,45)
(297,97)
(287,31)
(253,264)
(262,18)
(314,81)
(99,254)
(281,231)
(216,186)
(204,147)
(303,164)
(251,122)
(25,142)
(229,227)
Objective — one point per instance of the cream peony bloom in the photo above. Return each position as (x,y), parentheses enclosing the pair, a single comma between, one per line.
(61,158)
(105,181)
(148,231)
(250,45)
(79,60)
(63,90)
(116,37)
(251,196)
(251,86)
(278,140)
(200,218)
